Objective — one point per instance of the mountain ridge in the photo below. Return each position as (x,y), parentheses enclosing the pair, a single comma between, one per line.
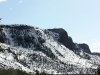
(32,48)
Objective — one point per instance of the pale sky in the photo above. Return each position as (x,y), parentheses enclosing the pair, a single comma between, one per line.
(80,18)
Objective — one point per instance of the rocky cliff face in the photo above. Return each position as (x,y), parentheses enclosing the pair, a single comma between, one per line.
(85,48)
(64,38)
(68,42)
(51,50)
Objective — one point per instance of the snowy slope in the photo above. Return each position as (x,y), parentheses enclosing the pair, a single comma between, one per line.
(29,49)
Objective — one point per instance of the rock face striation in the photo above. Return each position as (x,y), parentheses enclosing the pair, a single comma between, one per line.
(52,51)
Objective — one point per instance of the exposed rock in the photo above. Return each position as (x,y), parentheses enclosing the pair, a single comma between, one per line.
(85,48)
(68,42)
(64,38)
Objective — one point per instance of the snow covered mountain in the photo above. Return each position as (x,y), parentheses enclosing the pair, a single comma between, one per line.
(51,50)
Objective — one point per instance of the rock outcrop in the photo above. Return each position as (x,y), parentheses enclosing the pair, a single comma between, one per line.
(85,48)
(64,38)
(68,42)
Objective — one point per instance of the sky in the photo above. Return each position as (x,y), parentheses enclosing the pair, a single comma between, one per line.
(80,18)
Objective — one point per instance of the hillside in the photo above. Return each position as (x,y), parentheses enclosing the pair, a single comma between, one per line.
(52,51)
